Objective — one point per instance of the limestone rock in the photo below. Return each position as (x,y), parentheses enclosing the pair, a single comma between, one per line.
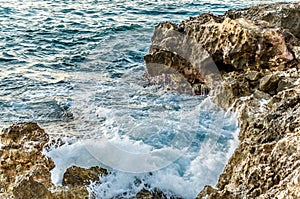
(256,51)
(210,193)
(237,41)
(25,170)
(29,188)
(144,194)
(265,163)
(21,156)
(76,176)
(269,83)
(19,134)
(284,15)
(153,194)
(253,75)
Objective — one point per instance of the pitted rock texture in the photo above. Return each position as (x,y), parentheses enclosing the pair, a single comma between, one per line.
(266,163)
(257,53)
(22,162)
(25,170)
(153,194)
(284,15)
(235,42)
(76,176)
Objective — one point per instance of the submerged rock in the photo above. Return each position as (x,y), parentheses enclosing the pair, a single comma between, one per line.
(256,51)
(25,170)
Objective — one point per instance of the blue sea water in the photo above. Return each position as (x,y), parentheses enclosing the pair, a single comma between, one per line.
(76,68)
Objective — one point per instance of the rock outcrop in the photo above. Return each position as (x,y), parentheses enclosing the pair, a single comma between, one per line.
(232,42)
(256,52)
(248,59)
(25,170)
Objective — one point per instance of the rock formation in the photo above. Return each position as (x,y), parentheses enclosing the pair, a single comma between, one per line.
(256,51)
(25,170)
(249,59)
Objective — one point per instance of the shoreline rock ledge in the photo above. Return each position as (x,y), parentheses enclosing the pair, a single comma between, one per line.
(257,52)
(25,170)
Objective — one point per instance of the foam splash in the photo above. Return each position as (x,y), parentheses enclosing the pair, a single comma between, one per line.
(213,144)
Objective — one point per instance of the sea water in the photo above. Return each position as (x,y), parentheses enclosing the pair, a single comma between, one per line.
(76,68)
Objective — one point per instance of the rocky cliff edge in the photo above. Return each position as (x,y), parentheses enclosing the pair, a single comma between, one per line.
(257,53)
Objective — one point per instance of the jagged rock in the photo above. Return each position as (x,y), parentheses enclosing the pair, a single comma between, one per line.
(25,170)
(80,192)
(29,188)
(237,41)
(265,162)
(210,193)
(19,134)
(261,95)
(144,194)
(21,156)
(153,194)
(296,50)
(257,53)
(76,176)
(253,75)
(269,83)
(284,15)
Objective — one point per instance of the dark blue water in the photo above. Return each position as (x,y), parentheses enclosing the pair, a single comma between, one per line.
(76,68)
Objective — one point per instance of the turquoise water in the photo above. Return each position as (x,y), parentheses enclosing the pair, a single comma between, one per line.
(76,68)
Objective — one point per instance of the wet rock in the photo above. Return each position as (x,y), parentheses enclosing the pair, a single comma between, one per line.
(144,194)
(256,51)
(296,50)
(21,156)
(253,75)
(29,188)
(25,170)
(210,193)
(269,84)
(284,15)
(285,84)
(18,134)
(76,176)
(153,194)
(261,95)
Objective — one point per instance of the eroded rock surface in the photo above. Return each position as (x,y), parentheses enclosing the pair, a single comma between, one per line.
(25,170)
(76,176)
(256,51)
(235,42)
(266,163)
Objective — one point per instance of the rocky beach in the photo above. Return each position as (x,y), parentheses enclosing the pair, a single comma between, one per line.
(257,53)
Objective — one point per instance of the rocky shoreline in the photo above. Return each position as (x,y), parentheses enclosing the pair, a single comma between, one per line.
(25,170)
(257,54)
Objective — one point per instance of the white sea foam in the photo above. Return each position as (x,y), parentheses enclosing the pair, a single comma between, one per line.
(213,143)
